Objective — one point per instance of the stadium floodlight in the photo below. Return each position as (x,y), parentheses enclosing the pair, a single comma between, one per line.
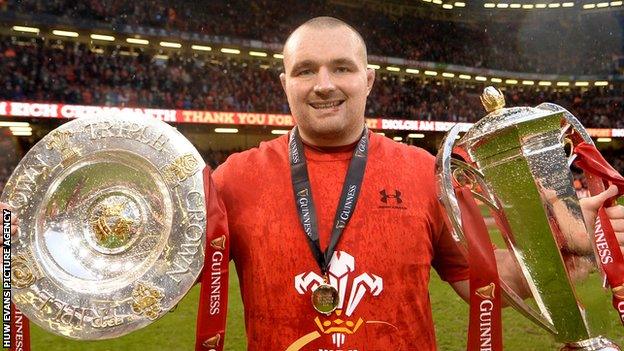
(515,6)
(600,83)
(65,33)
(464,76)
(416,135)
(372,66)
(393,69)
(279,131)
(616,3)
(502,5)
(589,6)
(201,48)
(528,6)
(14,124)
(567,4)
(540,6)
(397,138)
(258,54)
(169,44)
(460,4)
(528,82)
(226,130)
(489,5)
(448,75)
(602,4)
(381,133)
(581,84)
(438,2)
(481,78)
(102,37)
(161,57)
(431,73)
(21,129)
(278,56)
(554,5)
(137,41)
(26,29)
(22,133)
(427,0)
(496,80)
(544,83)
(604,140)
(563,84)
(447,6)
(230,51)
(511,81)
(412,71)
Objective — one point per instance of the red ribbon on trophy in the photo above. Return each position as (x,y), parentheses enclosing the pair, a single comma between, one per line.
(213,296)
(589,159)
(485,328)
(20,330)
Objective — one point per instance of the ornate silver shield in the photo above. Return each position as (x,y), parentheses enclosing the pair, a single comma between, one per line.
(112,226)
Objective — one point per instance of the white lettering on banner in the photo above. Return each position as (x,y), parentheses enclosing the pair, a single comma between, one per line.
(281,120)
(26,109)
(252,118)
(79,111)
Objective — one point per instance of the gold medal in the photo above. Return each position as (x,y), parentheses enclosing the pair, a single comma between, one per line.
(325,299)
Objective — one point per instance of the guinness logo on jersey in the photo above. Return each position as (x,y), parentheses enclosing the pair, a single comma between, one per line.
(344,321)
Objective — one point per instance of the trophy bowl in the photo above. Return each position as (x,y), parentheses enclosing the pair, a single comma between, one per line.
(516,162)
(112,226)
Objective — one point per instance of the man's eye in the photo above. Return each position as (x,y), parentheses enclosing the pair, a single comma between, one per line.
(304,72)
(342,69)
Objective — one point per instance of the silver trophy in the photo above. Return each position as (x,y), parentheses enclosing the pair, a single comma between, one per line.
(112,226)
(517,162)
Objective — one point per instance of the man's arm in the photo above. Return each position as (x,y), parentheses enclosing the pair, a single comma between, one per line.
(510,273)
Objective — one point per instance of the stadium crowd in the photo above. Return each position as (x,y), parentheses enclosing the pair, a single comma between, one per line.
(73,73)
(524,45)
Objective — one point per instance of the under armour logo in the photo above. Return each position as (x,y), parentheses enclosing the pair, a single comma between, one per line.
(385,197)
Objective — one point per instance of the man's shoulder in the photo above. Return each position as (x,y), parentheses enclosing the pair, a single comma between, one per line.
(400,152)
(248,162)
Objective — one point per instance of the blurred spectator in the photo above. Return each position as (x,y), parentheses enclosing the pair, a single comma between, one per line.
(541,44)
(72,73)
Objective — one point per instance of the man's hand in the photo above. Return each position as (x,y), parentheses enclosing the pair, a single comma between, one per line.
(591,205)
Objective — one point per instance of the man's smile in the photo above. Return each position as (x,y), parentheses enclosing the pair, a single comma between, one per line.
(326,104)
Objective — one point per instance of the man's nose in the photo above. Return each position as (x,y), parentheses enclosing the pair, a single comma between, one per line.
(324,84)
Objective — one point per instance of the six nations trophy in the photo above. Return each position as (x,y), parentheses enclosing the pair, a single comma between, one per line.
(112,226)
(516,161)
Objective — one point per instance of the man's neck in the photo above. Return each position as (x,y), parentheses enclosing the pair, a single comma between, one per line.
(332,141)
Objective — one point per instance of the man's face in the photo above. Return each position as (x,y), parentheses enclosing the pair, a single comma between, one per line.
(326,82)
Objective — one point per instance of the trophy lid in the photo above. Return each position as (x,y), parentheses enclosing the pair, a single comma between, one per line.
(499,117)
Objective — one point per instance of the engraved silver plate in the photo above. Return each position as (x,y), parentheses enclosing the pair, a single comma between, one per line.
(112,222)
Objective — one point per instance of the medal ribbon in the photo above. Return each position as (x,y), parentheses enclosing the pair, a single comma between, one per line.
(591,161)
(485,326)
(211,313)
(305,204)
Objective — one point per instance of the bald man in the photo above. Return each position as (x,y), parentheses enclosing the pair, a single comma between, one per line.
(331,204)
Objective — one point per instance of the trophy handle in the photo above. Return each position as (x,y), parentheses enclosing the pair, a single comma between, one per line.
(451,171)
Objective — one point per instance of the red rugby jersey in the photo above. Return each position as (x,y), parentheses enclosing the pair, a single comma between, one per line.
(382,263)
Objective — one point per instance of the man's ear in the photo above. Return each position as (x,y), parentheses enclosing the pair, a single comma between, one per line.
(282,77)
(370,80)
